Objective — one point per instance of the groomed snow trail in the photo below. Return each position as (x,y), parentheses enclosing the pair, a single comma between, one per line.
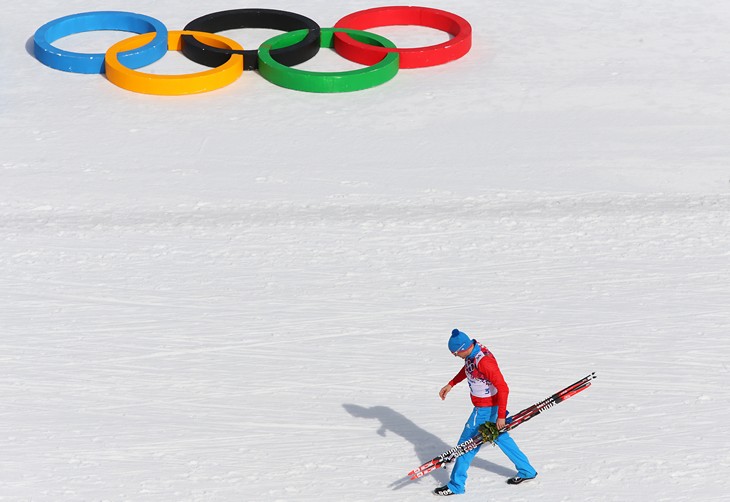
(290,349)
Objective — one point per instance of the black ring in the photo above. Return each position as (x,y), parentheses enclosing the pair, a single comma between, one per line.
(251,18)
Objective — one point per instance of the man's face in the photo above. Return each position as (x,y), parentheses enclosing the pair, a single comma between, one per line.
(464,353)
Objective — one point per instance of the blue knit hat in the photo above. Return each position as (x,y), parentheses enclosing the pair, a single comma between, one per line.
(459,341)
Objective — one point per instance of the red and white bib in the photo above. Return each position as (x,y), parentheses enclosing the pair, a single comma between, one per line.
(479,385)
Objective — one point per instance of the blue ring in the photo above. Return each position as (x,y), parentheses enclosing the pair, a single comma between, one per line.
(79,62)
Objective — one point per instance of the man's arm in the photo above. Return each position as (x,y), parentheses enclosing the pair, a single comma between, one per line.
(461,375)
(489,368)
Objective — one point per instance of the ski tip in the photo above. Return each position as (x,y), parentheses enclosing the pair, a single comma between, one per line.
(416,475)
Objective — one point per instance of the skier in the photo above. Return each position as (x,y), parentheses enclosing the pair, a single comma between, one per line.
(489,394)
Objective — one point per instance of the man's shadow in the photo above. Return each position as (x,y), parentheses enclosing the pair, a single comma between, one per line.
(426,445)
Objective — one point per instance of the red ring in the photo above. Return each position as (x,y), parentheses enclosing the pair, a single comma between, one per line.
(416,57)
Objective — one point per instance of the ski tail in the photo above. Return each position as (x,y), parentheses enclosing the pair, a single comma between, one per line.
(560,396)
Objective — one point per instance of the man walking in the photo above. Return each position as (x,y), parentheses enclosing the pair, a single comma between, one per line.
(489,394)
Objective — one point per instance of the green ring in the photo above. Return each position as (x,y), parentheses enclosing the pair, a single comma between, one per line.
(341,81)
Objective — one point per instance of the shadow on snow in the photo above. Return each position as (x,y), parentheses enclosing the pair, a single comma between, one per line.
(426,445)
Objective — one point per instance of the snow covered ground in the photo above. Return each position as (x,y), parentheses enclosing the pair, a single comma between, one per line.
(246,294)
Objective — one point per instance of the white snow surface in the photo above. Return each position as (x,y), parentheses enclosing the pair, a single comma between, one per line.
(245,295)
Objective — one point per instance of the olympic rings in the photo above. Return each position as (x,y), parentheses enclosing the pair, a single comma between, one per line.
(343,81)
(292,55)
(363,53)
(77,62)
(170,85)
(301,41)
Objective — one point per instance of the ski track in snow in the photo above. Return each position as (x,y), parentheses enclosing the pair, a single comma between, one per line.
(165,353)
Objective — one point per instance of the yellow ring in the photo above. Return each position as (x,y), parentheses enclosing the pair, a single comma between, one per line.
(173,85)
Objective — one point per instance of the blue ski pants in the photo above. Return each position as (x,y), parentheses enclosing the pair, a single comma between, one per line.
(457,484)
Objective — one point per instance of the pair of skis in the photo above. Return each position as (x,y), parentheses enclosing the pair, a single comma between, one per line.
(488,432)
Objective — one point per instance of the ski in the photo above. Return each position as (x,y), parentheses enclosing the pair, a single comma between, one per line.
(488,431)
(446,457)
(560,396)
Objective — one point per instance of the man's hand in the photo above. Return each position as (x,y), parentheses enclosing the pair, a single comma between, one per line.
(501,423)
(445,390)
